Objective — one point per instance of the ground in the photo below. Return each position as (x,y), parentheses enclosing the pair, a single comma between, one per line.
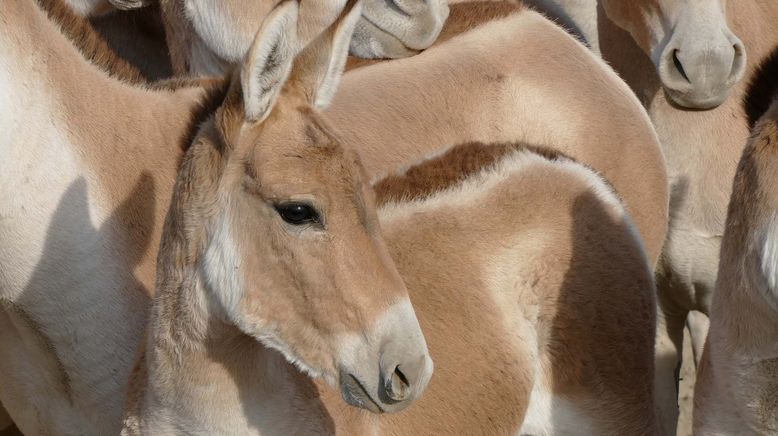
(686,397)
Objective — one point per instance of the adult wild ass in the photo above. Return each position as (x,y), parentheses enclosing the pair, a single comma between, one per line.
(737,382)
(206,37)
(526,87)
(527,304)
(82,204)
(686,53)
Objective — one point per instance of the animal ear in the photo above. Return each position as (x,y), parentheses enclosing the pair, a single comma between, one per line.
(269,61)
(128,5)
(319,66)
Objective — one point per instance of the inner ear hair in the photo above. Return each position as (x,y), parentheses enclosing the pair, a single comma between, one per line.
(319,66)
(269,61)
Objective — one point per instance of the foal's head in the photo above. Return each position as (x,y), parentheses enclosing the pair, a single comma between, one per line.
(294,256)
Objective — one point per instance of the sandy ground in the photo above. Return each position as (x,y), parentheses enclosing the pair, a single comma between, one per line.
(686,396)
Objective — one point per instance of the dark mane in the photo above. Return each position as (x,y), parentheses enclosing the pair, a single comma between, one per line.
(453,167)
(84,37)
(762,88)
(95,49)
(216,91)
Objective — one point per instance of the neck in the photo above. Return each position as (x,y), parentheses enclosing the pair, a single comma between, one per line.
(199,374)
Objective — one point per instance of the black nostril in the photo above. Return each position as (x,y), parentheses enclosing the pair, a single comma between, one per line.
(679,66)
(397,385)
(403,379)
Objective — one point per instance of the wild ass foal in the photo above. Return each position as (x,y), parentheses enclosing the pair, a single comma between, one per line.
(82,199)
(527,299)
(272,245)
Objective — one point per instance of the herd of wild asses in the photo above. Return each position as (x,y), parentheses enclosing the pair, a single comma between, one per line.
(389,217)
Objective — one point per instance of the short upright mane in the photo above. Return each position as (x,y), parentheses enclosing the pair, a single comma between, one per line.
(95,49)
(84,37)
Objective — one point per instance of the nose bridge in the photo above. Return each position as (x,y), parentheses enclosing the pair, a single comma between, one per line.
(703,25)
(372,269)
(399,330)
(388,367)
(704,44)
(404,358)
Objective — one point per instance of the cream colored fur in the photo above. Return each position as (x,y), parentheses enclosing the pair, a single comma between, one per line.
(702,150)
(78,252)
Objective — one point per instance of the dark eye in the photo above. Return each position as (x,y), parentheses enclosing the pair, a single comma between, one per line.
(298,213)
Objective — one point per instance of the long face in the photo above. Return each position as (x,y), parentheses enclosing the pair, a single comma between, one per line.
(696,55)
(294,256)
(312,277)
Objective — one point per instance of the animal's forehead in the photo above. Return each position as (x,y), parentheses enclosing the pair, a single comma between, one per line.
(298,127)
(300,147)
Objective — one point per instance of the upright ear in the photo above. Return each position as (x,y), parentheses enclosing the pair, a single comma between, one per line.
(318,67)
(269,61)
(127,5)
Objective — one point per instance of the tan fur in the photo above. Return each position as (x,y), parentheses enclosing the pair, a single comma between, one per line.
(503,94)
(322,294)
(548,323)
(737,382)
(454,260)
(504,83)
(116,175)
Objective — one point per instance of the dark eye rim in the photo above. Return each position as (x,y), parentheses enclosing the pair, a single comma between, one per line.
(311,217)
